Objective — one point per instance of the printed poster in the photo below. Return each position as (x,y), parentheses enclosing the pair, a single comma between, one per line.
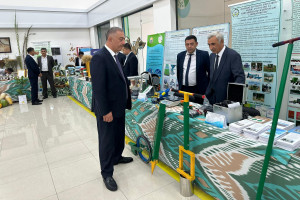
(174,44)
(255,27)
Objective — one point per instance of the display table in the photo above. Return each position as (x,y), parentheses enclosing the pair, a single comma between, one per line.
(227,166)
(10,87)
(81,90)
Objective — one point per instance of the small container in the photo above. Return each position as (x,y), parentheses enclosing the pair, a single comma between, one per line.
(186,187)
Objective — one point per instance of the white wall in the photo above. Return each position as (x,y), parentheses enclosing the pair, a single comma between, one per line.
(115,8)
(58,37)
(164,13)
(43,19)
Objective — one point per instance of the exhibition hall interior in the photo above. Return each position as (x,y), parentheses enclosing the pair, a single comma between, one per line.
(149,100)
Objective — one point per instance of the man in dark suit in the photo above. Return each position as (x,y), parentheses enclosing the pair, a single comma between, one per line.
(111,96)
(46,63)
(78,61)
(33,74)
(193,68)
(131,62)
(121,58)
(226,67)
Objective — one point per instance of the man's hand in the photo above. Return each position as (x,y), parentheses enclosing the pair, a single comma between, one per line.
(108,117)
(40,75)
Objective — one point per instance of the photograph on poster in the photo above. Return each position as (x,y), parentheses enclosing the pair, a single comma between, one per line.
(166,82)
(256,66)
(268,77)
(253,76)
(254,86)
(295,69)
(173,70)
(298,116)
(5,46)
(167,70)
(295,89)
(270,68)
(267,88)
(258,97)
(173,83)
(294,101)
(291,114)
(246,66)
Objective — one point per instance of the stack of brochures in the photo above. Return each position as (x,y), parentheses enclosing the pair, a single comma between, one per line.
(291,141)
(284,125)
(264,137)
(255,130)
(237,127)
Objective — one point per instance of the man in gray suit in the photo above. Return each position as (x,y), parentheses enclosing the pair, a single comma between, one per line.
(225,67)
(46,63)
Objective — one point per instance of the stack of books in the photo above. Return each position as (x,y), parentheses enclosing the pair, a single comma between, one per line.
(284,125)
(264,137)
(290,141)
(237,127)
(255,130)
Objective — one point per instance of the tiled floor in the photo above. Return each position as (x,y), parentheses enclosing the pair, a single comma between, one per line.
(50,152)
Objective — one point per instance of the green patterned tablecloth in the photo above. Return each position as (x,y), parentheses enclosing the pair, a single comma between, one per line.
(81,90)
(10,87)
(228,166)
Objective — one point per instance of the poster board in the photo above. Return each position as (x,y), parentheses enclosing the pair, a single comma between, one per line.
(255,27)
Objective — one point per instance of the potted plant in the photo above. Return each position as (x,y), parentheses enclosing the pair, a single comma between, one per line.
(21,91)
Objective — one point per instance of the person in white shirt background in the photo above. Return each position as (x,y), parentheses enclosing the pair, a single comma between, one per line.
(3,72)
(46,63)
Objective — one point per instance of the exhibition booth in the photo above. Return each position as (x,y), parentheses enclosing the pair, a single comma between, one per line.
(226,149)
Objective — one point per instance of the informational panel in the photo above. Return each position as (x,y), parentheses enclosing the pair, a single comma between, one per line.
(174,44)
(43,44)
(203,32)
(293,113)
(255,27)
(155,54)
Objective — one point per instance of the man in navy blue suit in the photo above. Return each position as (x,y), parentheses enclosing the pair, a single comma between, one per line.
(33,75)
(193,68)
(111,96)
(131,62)
(225,66)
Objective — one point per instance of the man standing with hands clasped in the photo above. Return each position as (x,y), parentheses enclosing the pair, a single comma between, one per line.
(111,96)
(46,63)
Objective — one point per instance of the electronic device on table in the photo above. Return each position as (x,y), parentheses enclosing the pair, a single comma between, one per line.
(232,107)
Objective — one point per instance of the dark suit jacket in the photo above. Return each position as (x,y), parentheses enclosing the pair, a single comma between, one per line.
(202,69)
(108,86)
(121,58)
(77,62)
(32,66)
(131,65)
(230,70)
(50,61)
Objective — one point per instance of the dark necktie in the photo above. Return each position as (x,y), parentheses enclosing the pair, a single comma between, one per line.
(187,70)
(121,71)
(216,63)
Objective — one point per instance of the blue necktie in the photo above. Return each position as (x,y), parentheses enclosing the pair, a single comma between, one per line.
(187,70)
(121,71)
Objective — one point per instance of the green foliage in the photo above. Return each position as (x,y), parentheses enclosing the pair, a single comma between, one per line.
(21,82)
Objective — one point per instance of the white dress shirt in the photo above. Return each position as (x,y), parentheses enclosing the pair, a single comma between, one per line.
(220,54)
(111,52)
(127,57)
(44,64)
(2,72)
(79,61)
(192,71)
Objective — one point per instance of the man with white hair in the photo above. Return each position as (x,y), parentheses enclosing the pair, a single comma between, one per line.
(225,67)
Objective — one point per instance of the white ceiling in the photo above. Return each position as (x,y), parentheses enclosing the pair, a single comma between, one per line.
(51,5)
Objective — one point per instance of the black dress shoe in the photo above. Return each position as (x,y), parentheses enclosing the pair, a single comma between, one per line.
(124,160)
(45,97)
(54,96)
(110,183)
(39,100)
(36,103)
